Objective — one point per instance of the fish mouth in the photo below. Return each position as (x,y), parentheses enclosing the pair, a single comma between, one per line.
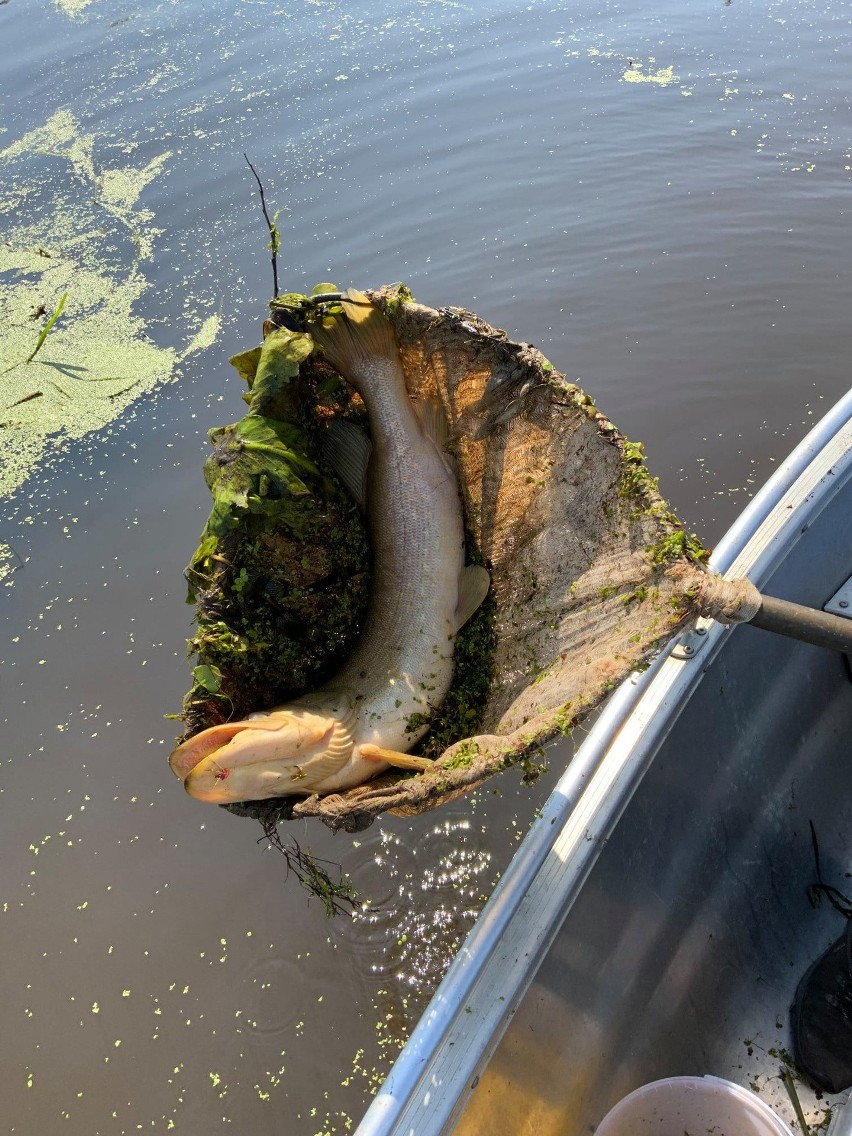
(254,759)
(191,753)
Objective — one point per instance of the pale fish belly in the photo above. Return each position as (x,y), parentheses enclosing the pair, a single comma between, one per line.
(403,665)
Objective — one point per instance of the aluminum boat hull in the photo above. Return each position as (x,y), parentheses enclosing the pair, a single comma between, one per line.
(655,921)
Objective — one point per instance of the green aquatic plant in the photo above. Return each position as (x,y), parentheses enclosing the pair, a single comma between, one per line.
(338,896)
(272,224)
(281,572)
(636,481)
(677,544)
(100,354)
(45,331)
(532,768)
(401,296)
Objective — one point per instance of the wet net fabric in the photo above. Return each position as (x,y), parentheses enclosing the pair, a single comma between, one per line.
(589,567)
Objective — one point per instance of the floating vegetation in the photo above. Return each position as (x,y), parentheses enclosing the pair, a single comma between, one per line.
(72,8)
(661,77)
(89,243)
(45,331)
(7,561)
(281,573)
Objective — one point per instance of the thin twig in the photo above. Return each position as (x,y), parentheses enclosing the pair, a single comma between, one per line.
(26,398)
(274,235)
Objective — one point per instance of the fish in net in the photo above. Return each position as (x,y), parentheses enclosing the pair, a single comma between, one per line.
(591,571)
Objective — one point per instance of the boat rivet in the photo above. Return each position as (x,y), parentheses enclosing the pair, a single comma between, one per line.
(843,603)
(700,630)
(687,650)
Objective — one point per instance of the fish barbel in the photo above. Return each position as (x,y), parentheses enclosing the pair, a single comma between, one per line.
(377,706)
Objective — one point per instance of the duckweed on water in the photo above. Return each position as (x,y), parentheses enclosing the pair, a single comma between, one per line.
(661,77)
(72,8)
(90,243)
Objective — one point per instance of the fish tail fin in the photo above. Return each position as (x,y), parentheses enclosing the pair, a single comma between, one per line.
(362,333)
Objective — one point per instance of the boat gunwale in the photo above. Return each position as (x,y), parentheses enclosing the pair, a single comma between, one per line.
(465,1020)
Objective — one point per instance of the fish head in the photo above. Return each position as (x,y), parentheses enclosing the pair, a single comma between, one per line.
(254,759)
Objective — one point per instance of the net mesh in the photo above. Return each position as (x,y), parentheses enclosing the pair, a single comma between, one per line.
(591,571)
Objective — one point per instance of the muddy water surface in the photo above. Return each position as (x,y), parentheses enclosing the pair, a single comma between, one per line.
(657,199)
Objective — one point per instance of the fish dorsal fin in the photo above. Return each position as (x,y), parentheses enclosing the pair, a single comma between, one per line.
(347,450)
(474,583)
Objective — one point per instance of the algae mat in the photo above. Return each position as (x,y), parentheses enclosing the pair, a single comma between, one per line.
(76,239)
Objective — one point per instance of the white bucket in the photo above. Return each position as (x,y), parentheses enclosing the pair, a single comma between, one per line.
(692,1106)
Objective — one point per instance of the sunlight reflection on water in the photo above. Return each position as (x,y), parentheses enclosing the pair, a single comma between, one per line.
(680,247)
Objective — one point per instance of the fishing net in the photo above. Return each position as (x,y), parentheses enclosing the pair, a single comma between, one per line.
(591,571)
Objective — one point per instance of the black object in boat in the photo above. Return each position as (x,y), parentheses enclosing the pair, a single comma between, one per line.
(822,1018)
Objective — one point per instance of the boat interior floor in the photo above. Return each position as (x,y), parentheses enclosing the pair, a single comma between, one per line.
(683,952)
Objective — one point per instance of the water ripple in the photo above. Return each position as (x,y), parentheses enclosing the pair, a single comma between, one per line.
(420,901)
(277,996)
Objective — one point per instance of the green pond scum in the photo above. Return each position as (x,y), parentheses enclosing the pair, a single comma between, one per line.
(75,351)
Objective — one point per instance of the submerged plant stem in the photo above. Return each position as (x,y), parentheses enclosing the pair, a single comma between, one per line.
(312,875)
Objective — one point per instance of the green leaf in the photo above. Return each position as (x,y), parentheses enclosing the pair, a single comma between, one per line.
(46,329)
(246,363)
(207,677)
(280,357)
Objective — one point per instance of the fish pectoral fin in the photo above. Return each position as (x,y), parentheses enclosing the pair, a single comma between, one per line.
(474,583)
(317,770)
(395,758)
(347,450)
